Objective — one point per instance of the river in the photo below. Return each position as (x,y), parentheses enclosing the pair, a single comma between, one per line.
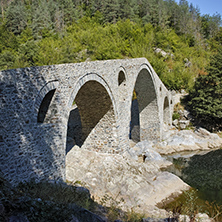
(202,171)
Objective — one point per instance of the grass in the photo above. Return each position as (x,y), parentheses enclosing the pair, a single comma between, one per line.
(114,211)
(58,192)
(47,201)
(43,201)
(176,116)
(189,203)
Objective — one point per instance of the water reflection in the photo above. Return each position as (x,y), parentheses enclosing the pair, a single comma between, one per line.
(203,172)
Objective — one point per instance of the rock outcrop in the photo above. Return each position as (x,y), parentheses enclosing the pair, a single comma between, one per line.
(135,179)
(187,140)
(133,184)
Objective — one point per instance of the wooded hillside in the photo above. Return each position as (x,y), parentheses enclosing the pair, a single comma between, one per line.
(44,32)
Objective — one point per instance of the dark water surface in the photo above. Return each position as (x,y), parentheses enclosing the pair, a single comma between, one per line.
(203,172)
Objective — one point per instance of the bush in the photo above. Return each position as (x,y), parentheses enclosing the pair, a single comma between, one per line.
(176,116)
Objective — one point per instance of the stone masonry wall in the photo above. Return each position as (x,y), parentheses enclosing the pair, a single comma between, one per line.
(36,111)
(103,137)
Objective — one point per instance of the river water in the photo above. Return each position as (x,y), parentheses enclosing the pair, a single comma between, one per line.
(202,171)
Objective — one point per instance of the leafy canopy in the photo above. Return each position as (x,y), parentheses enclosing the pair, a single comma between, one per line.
(46,32)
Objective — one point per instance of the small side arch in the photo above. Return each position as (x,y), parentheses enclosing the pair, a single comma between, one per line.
(121,76)
(166,111)
(43,100)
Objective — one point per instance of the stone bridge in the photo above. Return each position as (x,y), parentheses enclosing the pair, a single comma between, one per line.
(100,106)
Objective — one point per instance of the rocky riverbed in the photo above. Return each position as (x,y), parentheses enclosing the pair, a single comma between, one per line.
(135,178)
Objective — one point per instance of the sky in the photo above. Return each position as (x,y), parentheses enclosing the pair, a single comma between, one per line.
(207,6)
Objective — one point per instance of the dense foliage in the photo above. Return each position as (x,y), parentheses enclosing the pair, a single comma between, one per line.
(48,32)
(206,96)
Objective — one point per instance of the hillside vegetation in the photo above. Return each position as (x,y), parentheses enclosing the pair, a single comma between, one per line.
(45,32)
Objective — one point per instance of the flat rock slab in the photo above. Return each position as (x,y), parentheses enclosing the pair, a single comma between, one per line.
(130,183)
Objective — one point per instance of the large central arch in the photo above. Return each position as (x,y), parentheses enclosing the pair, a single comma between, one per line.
(92,122)
(145,123)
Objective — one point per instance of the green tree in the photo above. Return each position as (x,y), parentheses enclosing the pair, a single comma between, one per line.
(128,9)
(210,25)
(41,18)
(16,17)
(69,11)
(7,60)
(111,10)
(3,5)
(7,39)
(206,96)
(27,54)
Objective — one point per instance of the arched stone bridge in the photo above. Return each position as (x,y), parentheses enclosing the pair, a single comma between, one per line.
(99,106)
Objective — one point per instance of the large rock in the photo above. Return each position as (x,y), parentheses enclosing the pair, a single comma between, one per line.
(144,152)
(198,218)
(140,184)
(163,53)
(184,123)
(187,140)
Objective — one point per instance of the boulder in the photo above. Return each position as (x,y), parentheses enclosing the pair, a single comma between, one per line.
(163,53)
(187,63)
(200,217)
(144,152)
(184,218)
(175,123)
(203,217)
(183,124)
(74,219)
(154,220)
(81,214)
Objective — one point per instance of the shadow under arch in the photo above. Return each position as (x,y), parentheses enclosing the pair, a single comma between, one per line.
(121,77)
(43,109)
(43,100)
(92,123)
(145,123)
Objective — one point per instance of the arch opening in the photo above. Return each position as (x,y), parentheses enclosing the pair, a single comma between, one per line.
(166,112)
(44,106)
(135,120)
(121,78)
(91,122)
(144,124)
